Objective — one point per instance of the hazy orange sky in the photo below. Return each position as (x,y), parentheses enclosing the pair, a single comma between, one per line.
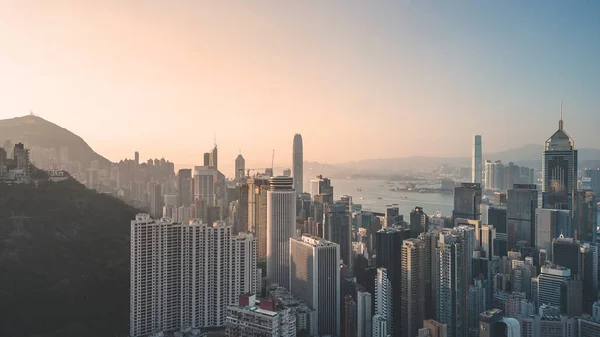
(357,79)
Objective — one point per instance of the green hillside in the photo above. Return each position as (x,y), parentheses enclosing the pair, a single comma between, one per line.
(64,266)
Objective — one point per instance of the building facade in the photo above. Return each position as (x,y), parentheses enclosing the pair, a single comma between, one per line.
(281,227)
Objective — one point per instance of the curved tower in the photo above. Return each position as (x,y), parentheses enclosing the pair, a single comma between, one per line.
(298,169)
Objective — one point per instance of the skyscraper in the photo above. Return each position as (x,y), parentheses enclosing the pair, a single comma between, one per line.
(364,318)
(21,155)
(556,287)
(184,187)
(258,188)
(565,253)
(336,228)
(281,226)
(589,275)
(412,287)
(156,201)
(240,168)
(549,225)
(520,215)
(315,279)
(559,170)
(494,175)
(320,185)
(213,158)
(392,216)
(298,164)
(586,216)
(476,163)
(383,305)
(594,180)
(418,222)
(467,201)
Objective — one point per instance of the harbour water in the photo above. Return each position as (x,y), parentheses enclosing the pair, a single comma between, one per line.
(374,195)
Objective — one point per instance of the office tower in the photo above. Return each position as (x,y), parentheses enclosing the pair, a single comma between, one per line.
(520,215)
(476,163)
(488,238)
(315,279)
(336,228)
(493,324)
(494,175)
(243,211)
(184,187)
(156,201)
(453,282)
(281,226)
(240,168)
(559,171)
(136,155)
(21,155)
(589,275)
(298,164)
(496,216)
(565,253)
(592,180)
(412,287)
(499,198)
(364,318)
(549,225)
(349,317)
(418,222)
(433,328)
(213,158)
(185,275)
(320,185)
(467,201)
(259,318)
(382,326)
(258,188)
(303,205)
(388,252)
(392,216)
(205,184)
(586,216)
(206,159)
(558,288)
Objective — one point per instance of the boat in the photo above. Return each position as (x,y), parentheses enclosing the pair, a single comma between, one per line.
(362,198)
(359,189)
(379,198)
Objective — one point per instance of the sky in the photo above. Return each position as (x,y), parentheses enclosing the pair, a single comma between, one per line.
(358,79)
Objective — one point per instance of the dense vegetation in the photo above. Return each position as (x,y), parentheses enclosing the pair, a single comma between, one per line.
(64,267)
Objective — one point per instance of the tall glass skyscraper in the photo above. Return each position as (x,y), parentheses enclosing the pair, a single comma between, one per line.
(477,164)
(559,171)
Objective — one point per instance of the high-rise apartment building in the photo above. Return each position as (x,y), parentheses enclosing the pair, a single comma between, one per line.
(21,156)
(3,161)
(467,201)
(549,225)
(476,163)
(349,329)
(185,275)
(383,305)
(494,175)
(240,168)
(559,171)
(412,288)
(364,318)
(281,227)
(258,188)
(315,279)
(430,241)
(488,240)
(298,164)
(453,282)
(520,215)
(184,187)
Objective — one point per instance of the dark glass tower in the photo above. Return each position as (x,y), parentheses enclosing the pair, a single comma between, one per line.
(467,202)
(559,171)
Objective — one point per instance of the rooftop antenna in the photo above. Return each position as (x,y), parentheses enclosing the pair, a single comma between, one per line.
(215,138)
(31,113)
(272,159)
(560,122)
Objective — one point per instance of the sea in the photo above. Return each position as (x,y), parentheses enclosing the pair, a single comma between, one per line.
(375,195)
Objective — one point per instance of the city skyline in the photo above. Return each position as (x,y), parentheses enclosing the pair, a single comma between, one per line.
(164,68)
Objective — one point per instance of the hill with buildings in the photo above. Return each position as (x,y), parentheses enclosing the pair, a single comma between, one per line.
(64,260)
(44,139)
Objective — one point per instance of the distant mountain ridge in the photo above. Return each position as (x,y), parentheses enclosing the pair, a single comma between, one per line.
(529,155)
(36,131)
